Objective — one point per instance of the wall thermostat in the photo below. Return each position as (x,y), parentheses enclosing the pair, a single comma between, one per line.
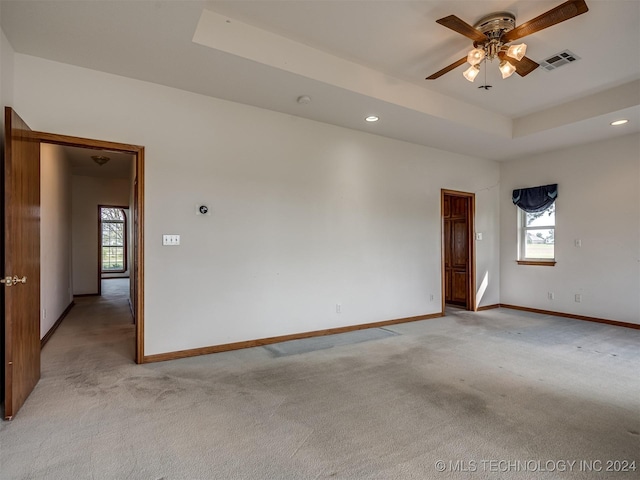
(202,210)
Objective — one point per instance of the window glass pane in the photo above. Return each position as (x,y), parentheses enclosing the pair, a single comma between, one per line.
(113,239)
(113,234)
(539,243)
(112,214)
(542,219)
(112,258)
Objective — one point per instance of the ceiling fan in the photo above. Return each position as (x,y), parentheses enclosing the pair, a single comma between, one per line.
(493,33)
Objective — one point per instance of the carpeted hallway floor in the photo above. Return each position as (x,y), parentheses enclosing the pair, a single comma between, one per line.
(495,394)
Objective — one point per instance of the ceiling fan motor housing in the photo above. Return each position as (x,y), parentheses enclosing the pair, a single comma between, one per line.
(494,26)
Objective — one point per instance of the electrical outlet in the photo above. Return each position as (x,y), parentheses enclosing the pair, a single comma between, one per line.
(431,297)
(550,295)
(338,308)
(578,297)
(44,313)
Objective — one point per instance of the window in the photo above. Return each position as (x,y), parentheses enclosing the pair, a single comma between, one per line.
(113,228)
(536,235)
(536,224)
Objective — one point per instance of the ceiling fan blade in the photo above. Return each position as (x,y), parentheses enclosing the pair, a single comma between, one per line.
(447,69)
(525,66)
(463,28)
(562,12)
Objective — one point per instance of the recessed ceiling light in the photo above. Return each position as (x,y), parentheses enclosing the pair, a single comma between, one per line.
(619,122)
(372,118)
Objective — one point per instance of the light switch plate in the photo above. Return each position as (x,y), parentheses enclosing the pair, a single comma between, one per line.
(171,239)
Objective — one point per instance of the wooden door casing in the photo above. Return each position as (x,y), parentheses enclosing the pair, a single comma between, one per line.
(22,259)
(457,224)
(138,218)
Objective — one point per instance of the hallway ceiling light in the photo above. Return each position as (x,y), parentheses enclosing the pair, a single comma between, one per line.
(372,118)
(100,159)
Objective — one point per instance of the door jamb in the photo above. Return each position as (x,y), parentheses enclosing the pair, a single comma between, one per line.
(471,272)
(137,211)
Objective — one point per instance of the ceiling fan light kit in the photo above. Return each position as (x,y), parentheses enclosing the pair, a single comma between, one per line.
(475,56)
(493,34)
(506,68)
(517,51)
(471,73)
(494,26)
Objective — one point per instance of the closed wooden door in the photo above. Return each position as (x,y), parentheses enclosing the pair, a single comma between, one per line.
(457,251)
(21,263)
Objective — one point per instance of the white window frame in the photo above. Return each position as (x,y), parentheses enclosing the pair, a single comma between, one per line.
(522,238)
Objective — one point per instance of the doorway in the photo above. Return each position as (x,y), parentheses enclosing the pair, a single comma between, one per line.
(136,250)
(458,255)
(21,252)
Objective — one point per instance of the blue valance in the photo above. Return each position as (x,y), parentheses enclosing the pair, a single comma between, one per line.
(535,199)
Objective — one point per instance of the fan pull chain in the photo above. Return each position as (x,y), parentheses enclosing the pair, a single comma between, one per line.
(485,86)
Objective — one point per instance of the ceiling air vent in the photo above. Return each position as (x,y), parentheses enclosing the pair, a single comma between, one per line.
(558,60)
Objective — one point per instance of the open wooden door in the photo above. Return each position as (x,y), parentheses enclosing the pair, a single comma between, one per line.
(21,263)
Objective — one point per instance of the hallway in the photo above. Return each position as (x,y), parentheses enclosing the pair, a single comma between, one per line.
(99,330)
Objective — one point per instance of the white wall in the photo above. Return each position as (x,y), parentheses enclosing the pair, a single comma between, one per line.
(598,203)
(87,194)
(304,215)
(55,235)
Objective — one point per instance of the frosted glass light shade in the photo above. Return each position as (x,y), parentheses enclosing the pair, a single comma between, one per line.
(517,51)
(475,56)
(507,69)
(471,73)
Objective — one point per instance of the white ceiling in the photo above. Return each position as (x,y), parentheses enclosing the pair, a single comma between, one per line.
(361,57)
(119,165)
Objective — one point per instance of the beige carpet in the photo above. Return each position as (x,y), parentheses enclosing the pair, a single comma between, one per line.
(496,394)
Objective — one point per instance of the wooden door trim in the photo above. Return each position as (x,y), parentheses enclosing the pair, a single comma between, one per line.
(138,215)
(70,141)
(471,215)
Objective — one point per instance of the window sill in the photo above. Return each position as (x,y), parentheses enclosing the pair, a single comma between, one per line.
(542,263)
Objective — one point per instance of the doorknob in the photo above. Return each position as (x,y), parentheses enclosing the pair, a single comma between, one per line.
(9,281)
